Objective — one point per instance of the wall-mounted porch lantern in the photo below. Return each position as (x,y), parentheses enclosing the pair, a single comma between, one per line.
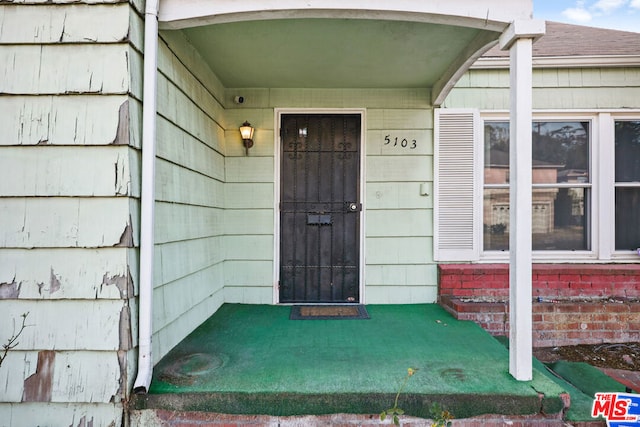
(246,131)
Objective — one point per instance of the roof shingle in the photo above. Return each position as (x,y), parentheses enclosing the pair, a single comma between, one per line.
(577,40)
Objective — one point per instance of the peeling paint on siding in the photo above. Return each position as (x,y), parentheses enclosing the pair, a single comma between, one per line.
(37,388)
(122,381)
(10,290)
(122,179)
(126,239)
(83,422)
(126,339)
(124,283)
(122,131)
(54,283)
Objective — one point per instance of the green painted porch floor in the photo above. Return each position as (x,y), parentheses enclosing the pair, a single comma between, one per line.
(251,359)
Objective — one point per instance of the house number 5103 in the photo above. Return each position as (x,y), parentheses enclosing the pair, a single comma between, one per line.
(400,142)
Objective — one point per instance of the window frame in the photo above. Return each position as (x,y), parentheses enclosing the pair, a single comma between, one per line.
(593,185)
(616,254)
(602,204)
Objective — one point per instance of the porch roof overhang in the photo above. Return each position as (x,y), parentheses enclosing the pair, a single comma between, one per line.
(342,43)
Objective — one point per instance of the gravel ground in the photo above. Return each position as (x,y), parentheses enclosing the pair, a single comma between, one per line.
(617,356)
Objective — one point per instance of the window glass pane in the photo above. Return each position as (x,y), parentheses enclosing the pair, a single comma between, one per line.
(496,153)
(558,219)
(627,218)
(496,219)
(627,151)
(560,152)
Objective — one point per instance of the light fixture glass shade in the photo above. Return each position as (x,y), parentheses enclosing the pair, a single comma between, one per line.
(246,131)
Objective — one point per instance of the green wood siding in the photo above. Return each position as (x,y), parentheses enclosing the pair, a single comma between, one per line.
(557,88)
(69,208)
(399,219)
(398,230)
(190,180)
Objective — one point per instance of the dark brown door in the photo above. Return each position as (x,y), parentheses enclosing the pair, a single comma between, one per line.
(320,208)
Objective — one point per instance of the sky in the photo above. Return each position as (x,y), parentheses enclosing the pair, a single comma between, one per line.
(615,14)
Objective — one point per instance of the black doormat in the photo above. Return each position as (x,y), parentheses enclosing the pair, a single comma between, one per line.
(328,312)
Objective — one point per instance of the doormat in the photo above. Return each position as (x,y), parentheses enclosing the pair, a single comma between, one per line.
(328,312)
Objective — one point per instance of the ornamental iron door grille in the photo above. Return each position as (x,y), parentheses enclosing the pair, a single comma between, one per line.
(320,208)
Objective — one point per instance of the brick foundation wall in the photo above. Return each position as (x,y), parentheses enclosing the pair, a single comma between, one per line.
(160,417)
(580,304)
(553,281)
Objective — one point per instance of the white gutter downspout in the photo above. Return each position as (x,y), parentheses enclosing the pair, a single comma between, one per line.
(149,96)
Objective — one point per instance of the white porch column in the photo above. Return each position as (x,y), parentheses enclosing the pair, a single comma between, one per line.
(519,40)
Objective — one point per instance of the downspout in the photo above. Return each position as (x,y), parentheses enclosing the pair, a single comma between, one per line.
(145,296)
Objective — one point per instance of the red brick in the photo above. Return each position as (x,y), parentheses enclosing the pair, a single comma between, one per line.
(556,284)
(599,317)
(495,328)
(615,308)
(463,292)
(470,284)
(601,284)
(608,335)
(495,308)
(547,277)
(572,292)
(589,308)
(617,278)
(615,326)
(546,268)
(546,326)
(462,307)
(497,293)
(634,326)
(597,326)
(495,284)
(444,277)
(575,334)
(570,277)
(480,277)
(543,308)
(444,290)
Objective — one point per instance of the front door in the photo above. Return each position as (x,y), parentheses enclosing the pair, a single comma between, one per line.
(320,208)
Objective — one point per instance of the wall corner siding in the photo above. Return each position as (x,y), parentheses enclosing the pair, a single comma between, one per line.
(189,224)
(70,101)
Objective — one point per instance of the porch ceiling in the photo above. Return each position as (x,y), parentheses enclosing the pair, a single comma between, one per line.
(337,53)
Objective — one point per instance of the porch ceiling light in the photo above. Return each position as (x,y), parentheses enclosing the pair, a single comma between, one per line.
(246,131)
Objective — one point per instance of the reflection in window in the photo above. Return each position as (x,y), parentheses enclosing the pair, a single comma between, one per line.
(627,173)
(561,186)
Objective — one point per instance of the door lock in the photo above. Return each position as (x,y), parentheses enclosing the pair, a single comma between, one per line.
(354,207)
